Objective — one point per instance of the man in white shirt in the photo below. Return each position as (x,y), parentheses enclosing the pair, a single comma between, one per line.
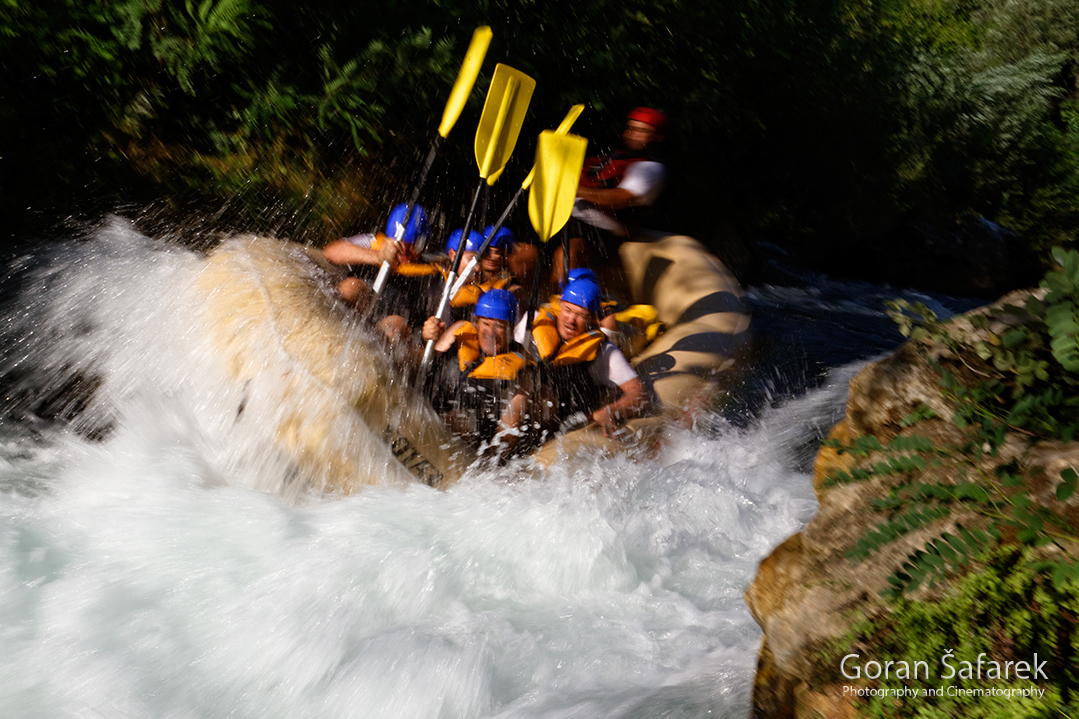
(615,189)
(631,177)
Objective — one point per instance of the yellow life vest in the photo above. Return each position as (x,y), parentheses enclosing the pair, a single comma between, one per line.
(503,366)
(639,325)
(582,348)
(569,375)
(545,333)
(549,345)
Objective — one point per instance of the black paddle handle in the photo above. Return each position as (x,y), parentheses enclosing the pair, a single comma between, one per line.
(501,221)
(426,168)
(419,184)
(464,234)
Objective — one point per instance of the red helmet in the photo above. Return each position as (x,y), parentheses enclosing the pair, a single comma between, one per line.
(655,118)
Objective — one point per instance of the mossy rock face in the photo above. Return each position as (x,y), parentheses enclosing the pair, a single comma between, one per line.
(816,604)
(1002,612)
(807,595)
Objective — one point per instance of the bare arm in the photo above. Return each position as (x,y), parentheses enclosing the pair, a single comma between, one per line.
(634,401)
(435,329)
(614,198)
(639,186)
(342,252)
(514,413)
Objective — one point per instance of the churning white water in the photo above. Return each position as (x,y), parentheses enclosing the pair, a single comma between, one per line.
(142,574)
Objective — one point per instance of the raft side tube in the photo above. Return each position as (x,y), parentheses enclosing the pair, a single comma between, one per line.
(707,323)
(705,312)
(338,409)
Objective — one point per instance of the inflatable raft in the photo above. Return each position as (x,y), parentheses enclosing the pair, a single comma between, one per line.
(705,322)
(339,410)
(343,415)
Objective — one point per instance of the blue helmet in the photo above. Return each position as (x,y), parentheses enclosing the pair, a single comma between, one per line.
(497,305)
(580,273)
(503,239)
(475,240)
(584,293)
(417,231)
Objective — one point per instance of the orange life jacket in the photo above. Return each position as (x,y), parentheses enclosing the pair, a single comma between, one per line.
(551,348)
(504,366)
(486,385)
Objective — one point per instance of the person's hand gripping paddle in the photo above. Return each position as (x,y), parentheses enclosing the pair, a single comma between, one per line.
(466,78)
(496,136)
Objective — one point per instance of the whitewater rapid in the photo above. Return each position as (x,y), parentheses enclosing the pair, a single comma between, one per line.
(145,572)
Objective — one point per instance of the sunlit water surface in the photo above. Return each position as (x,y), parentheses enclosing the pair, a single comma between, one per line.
(142,575)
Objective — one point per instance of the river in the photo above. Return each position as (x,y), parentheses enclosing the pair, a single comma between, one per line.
(143,576)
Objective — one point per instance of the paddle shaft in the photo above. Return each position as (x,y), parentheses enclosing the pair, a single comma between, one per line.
(466,273)
(559,157)
(500,123)
(462,87)
(565,256)
(533,300)
(429,350)
(455,265)
(563,128)
(384,270)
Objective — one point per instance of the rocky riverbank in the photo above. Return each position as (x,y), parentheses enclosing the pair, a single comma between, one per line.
(811,600)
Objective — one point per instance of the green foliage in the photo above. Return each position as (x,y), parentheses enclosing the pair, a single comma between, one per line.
(981,129)
(1008,611)
(1062,308)
(795,118)
(1015,374)
(212,97)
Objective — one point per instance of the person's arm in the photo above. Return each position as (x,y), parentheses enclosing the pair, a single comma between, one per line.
(514,414)
(642,182)
(614,198)
(435,329)
(634,401)
(613,370)
(343,252)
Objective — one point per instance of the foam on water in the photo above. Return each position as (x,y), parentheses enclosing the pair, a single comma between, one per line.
(140,576)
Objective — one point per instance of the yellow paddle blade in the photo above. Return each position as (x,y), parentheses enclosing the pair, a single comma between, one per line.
(503,114)
(495,175)
(466,78)
(559,159)
(570,118)
(562,129)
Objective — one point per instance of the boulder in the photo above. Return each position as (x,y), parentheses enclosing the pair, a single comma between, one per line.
(808,596)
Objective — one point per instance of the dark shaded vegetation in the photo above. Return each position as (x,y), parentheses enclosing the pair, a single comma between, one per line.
(822,125)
